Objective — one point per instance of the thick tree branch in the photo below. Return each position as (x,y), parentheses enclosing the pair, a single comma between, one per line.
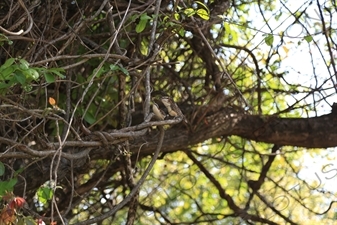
(315,132)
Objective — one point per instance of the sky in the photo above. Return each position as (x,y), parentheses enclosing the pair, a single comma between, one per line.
(298,56)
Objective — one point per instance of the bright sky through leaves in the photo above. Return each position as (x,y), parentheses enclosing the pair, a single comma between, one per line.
(303,60)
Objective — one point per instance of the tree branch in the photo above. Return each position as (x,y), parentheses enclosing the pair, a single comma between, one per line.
(315,132)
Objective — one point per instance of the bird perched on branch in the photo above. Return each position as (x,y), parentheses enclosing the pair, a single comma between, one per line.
(163,106)
(172,107)
(158,112)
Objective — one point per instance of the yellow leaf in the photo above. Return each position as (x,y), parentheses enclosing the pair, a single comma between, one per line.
(189,12)
(52,101)
(203,14)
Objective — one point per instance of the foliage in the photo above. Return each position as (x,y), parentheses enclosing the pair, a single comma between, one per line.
(79,141)
(6,185)
(11,204)
(17,71)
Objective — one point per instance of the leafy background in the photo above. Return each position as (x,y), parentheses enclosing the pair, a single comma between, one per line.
(77,142)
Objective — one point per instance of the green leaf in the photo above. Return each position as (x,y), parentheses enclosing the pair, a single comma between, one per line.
(144,18)
(44,194)
(20,77)
(6,72)
(308,38)
(23,64)
(52,72)
(113,67)
(4,85)
(89,117)
(3,39)
(277,17)
(166,19)
(8,63)
(2,169)
(7,186)
(269,39)
(98,73)
(57,71)
(181,32)
(203,14)
(120,68)
(134,17)
(50,78)
(125,71)
(189,12)
(19,171)
(177,16)
(12,182)
(33,74)
(141,26)
(203,5)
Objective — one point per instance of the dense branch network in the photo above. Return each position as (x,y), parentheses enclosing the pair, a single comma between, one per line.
(99,139)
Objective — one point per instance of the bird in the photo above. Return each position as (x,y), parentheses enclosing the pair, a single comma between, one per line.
(172,107)
(160,114)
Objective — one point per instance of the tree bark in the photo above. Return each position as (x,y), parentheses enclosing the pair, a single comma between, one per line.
(315,132)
